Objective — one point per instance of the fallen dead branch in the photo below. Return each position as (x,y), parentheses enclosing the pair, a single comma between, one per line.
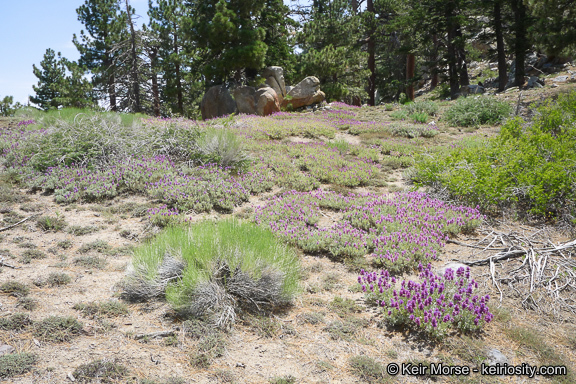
(5,264)
(18,223)
(531,268)
(153,335)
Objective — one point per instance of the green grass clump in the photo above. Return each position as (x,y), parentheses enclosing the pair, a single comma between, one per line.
(15,288)
(474,111)
(104,371)
(528,167)
(51,223)
(111,308)
(57,329)
(16,364)
(208,268)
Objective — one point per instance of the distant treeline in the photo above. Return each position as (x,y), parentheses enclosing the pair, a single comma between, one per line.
(370,51)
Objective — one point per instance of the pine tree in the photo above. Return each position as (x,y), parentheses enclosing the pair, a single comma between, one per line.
(105,27)
(166,18)
(50,77)
(230,35)
(332,49)
(74,89)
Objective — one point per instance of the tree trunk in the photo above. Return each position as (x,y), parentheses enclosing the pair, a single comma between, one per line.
(452,53)
(155,91)
(410,69)
(177,66)
(134,66)
(520,43)
(502,72)
(371,58)
(434,60)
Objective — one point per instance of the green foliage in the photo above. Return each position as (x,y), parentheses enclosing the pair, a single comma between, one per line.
(474,111)
(51,223)
(7,106)
(287,379)
(332,52)
(16,364)
(50,76)
(429,108)
(527,166)
(91,262)
(239,262)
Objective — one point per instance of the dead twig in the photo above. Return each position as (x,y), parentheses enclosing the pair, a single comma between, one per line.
(18,223)
(153,335)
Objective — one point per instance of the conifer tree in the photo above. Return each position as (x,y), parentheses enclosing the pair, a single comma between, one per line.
(106,26)
(231,36)
(50,78)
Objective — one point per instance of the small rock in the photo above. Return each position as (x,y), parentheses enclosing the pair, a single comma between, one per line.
(560,79)
(496,357)
(453,265)
(6,349)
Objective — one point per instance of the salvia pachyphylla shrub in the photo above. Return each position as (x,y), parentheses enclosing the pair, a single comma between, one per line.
(211,270)
(435,304)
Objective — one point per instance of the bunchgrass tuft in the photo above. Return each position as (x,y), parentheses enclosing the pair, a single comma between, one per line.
(51,223)
(210,268)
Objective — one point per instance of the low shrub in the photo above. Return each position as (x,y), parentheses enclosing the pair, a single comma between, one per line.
(474,111)
(16,364)
(220,146)
(15,288)
(368,369)
(105,371)
(435,304)
(111,308)
(91,262)
(209,268)
(57,329)
(56,279)
(15,322)
(528,166)
(428,108)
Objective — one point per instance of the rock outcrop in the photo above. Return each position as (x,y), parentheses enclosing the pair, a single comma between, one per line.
(262,101)
(275,79)
(217,102)
(306,92)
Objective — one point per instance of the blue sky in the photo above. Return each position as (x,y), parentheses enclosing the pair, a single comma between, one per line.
(27,29)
